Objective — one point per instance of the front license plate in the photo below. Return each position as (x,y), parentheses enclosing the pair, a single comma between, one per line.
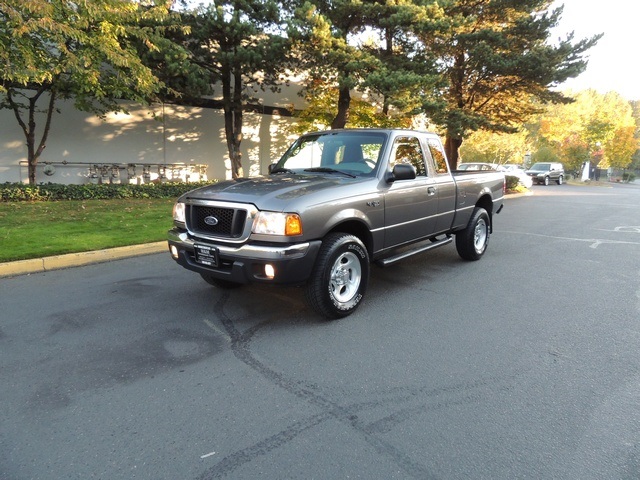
(206,255)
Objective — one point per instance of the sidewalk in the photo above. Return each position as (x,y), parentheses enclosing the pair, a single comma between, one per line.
(39,265)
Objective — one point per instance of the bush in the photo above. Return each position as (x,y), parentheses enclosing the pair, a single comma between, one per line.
(628,177)
(19,192)
(512,182)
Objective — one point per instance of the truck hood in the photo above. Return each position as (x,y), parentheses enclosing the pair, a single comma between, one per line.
(280,192)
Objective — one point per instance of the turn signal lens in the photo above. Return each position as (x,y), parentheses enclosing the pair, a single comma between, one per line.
(293,225)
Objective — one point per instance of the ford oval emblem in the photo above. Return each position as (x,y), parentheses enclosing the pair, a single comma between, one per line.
(211,220)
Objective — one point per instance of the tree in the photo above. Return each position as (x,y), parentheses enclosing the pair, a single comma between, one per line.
(321,30)
(322,106)
(498,65)
(56,49)
(595,127)
(501,148)
(635,106)
(230,41)
(620,148)
(369,47)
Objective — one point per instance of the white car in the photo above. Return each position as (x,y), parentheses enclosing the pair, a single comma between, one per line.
(516,171)
(478,166)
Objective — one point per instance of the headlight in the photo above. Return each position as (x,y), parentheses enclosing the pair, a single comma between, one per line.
(275,223)
(179,212)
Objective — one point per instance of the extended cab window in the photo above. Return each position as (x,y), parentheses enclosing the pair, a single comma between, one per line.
(439,158)
(407,150)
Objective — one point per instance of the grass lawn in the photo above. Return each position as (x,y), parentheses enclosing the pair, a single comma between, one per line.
(40,229)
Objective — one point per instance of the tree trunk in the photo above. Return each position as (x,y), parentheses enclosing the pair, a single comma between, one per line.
(451,148)
(233,120)
(342,117)
(29,128)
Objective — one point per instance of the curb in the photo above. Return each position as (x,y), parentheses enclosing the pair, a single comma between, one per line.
(39,265)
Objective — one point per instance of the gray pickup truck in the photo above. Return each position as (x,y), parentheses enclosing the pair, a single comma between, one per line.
(333,204)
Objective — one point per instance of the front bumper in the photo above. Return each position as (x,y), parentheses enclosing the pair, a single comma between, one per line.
(291,263)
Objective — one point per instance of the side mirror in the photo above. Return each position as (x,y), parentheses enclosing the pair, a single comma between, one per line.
(271,167)
(402,171)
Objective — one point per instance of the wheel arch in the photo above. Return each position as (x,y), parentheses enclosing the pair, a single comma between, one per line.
(486,202)
(358,229)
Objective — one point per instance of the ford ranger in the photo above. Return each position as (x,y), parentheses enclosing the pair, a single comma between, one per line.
(336,202)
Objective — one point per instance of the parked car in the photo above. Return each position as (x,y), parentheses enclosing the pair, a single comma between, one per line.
(545,172)
(516,171)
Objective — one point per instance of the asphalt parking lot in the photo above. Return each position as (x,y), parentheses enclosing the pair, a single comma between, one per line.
(522,365)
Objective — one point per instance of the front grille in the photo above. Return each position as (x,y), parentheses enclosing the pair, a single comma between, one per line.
(230,221)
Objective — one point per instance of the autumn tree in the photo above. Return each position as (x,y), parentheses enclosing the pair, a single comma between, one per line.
(635,107)
(238,45)
(85,51)
(596,127)
(499,65)
(621,147)
(492,147)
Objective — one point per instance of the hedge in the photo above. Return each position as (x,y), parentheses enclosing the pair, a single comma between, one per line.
(46,192)
(512,182)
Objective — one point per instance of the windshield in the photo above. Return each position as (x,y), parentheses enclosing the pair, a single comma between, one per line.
(540,166)
(355,153)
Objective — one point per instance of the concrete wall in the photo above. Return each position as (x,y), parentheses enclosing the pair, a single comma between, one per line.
(146,143)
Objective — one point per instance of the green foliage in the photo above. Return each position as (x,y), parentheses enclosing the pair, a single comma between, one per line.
(235,45)
(322,105)
(19,192)
(85,51)
(512,183)
(65,47)
(387,64)
(628,177)
(496,60)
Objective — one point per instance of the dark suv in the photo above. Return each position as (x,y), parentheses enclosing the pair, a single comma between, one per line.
(546,172)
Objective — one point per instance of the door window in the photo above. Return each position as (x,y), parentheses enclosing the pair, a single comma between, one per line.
(407,150)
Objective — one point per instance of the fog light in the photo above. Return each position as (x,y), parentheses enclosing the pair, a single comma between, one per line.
(174,251)
(269,271)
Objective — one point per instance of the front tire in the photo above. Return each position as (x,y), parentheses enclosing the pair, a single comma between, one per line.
(472,242)
(339,279)
(546,180)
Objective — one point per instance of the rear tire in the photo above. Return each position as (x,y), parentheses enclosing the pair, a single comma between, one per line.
(339,279)
(560,180)
(472,242)
(219,283)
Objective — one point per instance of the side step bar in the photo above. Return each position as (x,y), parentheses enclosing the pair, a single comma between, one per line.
(413,251)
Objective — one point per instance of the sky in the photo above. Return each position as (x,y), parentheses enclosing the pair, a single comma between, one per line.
(614,63)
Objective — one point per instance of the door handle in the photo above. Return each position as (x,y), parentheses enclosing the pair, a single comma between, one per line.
(431,191)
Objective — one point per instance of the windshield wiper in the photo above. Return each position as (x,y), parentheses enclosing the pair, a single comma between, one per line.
(328,170)
(282,170)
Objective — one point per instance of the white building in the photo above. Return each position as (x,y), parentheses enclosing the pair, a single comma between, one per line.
(150,142)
